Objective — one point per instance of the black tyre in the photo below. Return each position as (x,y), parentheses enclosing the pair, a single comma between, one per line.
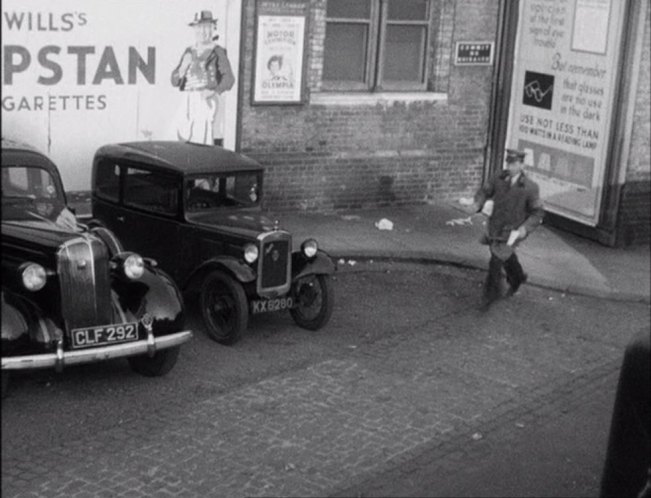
(161,363)
(314,300)
(224,308)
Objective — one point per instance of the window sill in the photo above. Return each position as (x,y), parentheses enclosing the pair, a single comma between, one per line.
(384,98)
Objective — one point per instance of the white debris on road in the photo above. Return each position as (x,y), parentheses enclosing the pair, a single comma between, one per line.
(459,221)
(384,224)
(466,201)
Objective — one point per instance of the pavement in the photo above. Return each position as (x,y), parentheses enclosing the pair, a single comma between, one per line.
(446,233)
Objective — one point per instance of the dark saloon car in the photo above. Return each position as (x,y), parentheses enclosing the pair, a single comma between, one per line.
(70,293)
(196,209)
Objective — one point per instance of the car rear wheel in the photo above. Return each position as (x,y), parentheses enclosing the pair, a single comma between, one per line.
(155,366)
(314,300)
(224,308)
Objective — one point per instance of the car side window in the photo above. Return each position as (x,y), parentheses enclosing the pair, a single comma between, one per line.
(153,192)
(107,181)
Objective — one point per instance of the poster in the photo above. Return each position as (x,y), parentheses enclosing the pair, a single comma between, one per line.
(563,93)
(80,74)
(280,47)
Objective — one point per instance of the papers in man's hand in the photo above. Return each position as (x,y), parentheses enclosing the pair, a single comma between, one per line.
(513,236)
(487,208)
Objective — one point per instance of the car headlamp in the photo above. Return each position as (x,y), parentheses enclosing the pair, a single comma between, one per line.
(34,276)
(309,248)
(250,253)
(133,267)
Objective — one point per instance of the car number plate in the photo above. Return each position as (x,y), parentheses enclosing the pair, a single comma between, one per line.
(106,334)
(277,304)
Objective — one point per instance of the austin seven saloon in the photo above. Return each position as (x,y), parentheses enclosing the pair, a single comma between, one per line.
(70,293)
(197,210)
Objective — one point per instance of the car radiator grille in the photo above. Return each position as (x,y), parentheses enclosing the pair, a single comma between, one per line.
(84,280)
(275,263)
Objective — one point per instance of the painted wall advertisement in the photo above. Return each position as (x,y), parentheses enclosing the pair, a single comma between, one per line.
(563,93)
(80,74)
(280,45)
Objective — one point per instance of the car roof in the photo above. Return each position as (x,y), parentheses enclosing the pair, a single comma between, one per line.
(183,157)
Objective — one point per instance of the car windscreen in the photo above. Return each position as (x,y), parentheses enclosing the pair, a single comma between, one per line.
(204,192)
(29,192)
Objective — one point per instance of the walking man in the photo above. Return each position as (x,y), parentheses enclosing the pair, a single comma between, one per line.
(516,211)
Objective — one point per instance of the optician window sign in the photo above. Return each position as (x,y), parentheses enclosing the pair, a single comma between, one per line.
(562,99)
(79,74)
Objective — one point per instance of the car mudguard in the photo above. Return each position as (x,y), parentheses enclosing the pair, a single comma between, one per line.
(241,272)
(25,328)
(155,297)
(320,264)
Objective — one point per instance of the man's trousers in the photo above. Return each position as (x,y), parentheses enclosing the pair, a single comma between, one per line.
(515,276)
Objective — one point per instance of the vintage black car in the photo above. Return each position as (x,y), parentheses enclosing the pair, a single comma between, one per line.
(70,293)
(197,210)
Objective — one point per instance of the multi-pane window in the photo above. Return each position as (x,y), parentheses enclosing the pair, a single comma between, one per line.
(376,44)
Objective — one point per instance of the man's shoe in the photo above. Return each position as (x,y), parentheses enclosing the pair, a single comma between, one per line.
(514,287)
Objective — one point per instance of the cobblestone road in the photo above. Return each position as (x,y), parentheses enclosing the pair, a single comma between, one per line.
(323,428)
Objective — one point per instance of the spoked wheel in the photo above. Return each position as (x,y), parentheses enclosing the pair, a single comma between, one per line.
(314,300)
(155,366)
(224,308)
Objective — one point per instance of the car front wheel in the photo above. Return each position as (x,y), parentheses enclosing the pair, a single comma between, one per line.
(224,308)
(155,366)
(314,298)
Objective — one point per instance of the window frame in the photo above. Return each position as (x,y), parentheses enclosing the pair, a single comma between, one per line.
(375,50)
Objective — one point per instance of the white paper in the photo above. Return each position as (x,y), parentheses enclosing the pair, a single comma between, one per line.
(487,208)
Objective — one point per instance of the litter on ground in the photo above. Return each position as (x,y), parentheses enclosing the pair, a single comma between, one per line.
(459,221)
(384,224)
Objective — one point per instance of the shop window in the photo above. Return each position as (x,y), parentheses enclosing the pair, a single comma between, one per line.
(375,45)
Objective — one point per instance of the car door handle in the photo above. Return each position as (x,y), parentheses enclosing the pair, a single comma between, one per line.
(121,218)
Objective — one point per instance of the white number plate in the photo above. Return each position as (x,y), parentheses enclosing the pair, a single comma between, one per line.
(278,304)
(107,334)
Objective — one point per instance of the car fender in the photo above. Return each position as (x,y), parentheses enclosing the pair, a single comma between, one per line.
(241,272)
(321,264)
(25,326)
(154,294)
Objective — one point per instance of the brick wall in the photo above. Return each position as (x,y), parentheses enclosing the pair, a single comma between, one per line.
(634,224)
(322,156)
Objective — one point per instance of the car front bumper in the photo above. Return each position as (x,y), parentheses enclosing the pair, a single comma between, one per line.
(64,358)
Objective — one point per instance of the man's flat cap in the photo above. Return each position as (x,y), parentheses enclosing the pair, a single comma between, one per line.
(515,155)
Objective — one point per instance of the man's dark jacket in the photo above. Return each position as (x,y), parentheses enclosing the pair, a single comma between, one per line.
(514,205)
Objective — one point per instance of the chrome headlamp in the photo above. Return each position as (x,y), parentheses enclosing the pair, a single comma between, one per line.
(34,276)
(133,267)
(309,248)
(251,253)
(128,265)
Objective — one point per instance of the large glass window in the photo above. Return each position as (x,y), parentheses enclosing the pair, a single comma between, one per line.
(376,44)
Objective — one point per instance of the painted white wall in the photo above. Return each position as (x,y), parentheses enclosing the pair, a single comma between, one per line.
(75,117)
